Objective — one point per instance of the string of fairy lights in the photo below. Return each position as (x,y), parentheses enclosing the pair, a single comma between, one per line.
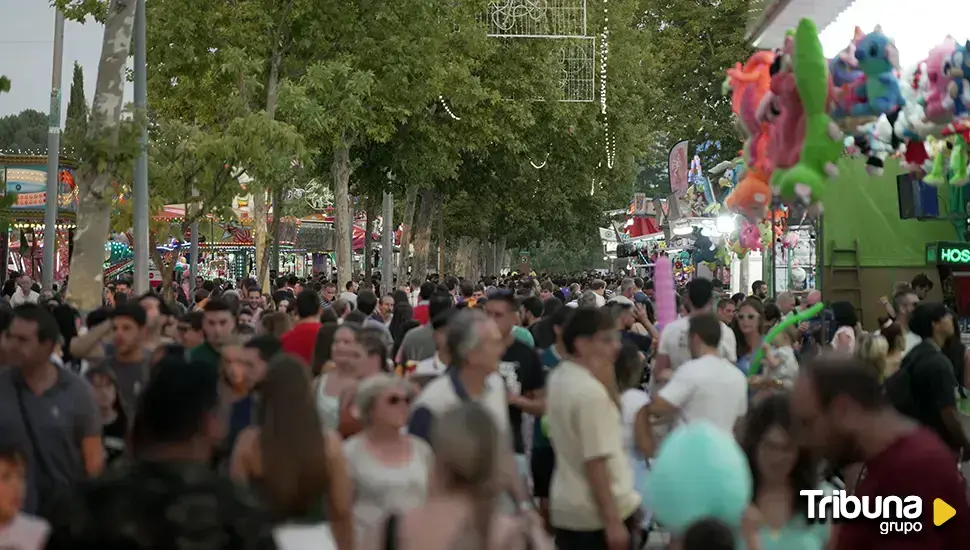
(453,116)
(609,139)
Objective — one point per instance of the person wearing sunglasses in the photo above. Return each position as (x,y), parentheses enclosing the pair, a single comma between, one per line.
(388,467)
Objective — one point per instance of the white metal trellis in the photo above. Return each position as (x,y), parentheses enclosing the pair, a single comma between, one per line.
(562,20)
(536,18)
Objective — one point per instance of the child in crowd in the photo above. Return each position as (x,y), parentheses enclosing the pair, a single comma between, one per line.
(780,365)
(114,418)
(17,530)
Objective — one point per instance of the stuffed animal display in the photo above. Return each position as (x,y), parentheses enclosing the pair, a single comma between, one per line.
(806,104)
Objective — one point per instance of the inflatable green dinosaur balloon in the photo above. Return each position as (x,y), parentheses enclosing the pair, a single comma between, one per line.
(805,182)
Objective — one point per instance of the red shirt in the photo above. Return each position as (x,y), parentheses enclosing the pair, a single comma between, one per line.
(300,340)
(421,313)
(918,464)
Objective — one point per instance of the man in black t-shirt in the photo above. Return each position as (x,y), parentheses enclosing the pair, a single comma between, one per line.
(925,387)
(520,368)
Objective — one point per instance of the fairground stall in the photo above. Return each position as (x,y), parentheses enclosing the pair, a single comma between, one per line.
(316,237)
(22,243)
(226,247)
(888,162)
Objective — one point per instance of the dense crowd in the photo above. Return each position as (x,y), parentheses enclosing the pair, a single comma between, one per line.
(515,412)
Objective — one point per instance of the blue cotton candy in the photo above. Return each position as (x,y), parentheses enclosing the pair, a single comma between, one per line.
(699,472)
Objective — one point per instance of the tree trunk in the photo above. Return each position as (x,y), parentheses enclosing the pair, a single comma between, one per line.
(275,228)
(260,209)
(404,257)
(259,238)
(490,258)
(165,270)
(370,210)
(466,258)
(440,226)
(422,233)
(475,255)
(94,185)
(341,213)
(501,256)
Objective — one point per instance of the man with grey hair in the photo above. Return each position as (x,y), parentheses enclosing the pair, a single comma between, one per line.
(786,303)
(475,347)
(627,288)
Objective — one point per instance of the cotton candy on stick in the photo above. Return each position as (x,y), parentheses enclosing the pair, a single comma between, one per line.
(663,286)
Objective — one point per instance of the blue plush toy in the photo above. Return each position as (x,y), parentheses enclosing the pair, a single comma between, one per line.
(878,59)
(700,472)
(959,72)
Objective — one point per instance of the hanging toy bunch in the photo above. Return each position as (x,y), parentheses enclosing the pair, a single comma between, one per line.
(749,85)
(700,194)
(792,145)
(821,140)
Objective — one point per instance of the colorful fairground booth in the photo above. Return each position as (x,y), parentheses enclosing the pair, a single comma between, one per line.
(316,237)
(22,244)
(895,178)
(226,247)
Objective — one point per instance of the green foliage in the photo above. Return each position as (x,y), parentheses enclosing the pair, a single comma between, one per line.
(76,125)
(4,84)
(691,44)
(568,257)
(25,131)
(81,11)
(184,157)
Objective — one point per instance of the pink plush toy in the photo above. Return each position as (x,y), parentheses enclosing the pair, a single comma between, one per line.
(750,236)
(782,109)
(790,240)
(663,280)
(939,105)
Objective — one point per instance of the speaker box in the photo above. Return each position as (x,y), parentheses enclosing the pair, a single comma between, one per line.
(916,199)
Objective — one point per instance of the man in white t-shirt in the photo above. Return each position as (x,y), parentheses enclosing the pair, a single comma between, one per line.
(24,294)
(674,348)
(905,301)
(707,388)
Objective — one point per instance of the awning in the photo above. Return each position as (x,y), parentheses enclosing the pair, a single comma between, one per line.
(777,17)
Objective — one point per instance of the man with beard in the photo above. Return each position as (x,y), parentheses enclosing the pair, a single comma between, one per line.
(759,289)
(846,419)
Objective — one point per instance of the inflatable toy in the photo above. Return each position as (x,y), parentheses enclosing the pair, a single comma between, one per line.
(822,142)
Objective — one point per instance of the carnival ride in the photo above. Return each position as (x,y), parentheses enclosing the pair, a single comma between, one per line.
(22,244)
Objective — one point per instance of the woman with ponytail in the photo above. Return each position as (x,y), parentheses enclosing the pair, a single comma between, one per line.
(461,512)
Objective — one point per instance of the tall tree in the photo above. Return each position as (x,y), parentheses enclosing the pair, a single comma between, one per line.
(691,43)
(4,84)
(24,131)
(101,154)
(76,125)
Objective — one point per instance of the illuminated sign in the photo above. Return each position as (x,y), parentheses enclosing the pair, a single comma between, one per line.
(953,253)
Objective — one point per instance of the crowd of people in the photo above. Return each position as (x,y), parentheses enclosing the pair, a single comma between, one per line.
(515,412)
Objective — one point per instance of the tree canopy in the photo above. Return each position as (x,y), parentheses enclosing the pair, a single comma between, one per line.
(25,131)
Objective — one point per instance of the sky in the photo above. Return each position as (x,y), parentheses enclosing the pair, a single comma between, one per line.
(26,56)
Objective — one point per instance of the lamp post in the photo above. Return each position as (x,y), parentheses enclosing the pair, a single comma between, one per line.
(53,155)
(140,190)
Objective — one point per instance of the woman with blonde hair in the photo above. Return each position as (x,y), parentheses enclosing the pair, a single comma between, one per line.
(462,494)
(296,464)
(388,467)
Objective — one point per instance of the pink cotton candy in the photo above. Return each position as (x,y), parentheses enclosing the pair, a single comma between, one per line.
(663,286)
